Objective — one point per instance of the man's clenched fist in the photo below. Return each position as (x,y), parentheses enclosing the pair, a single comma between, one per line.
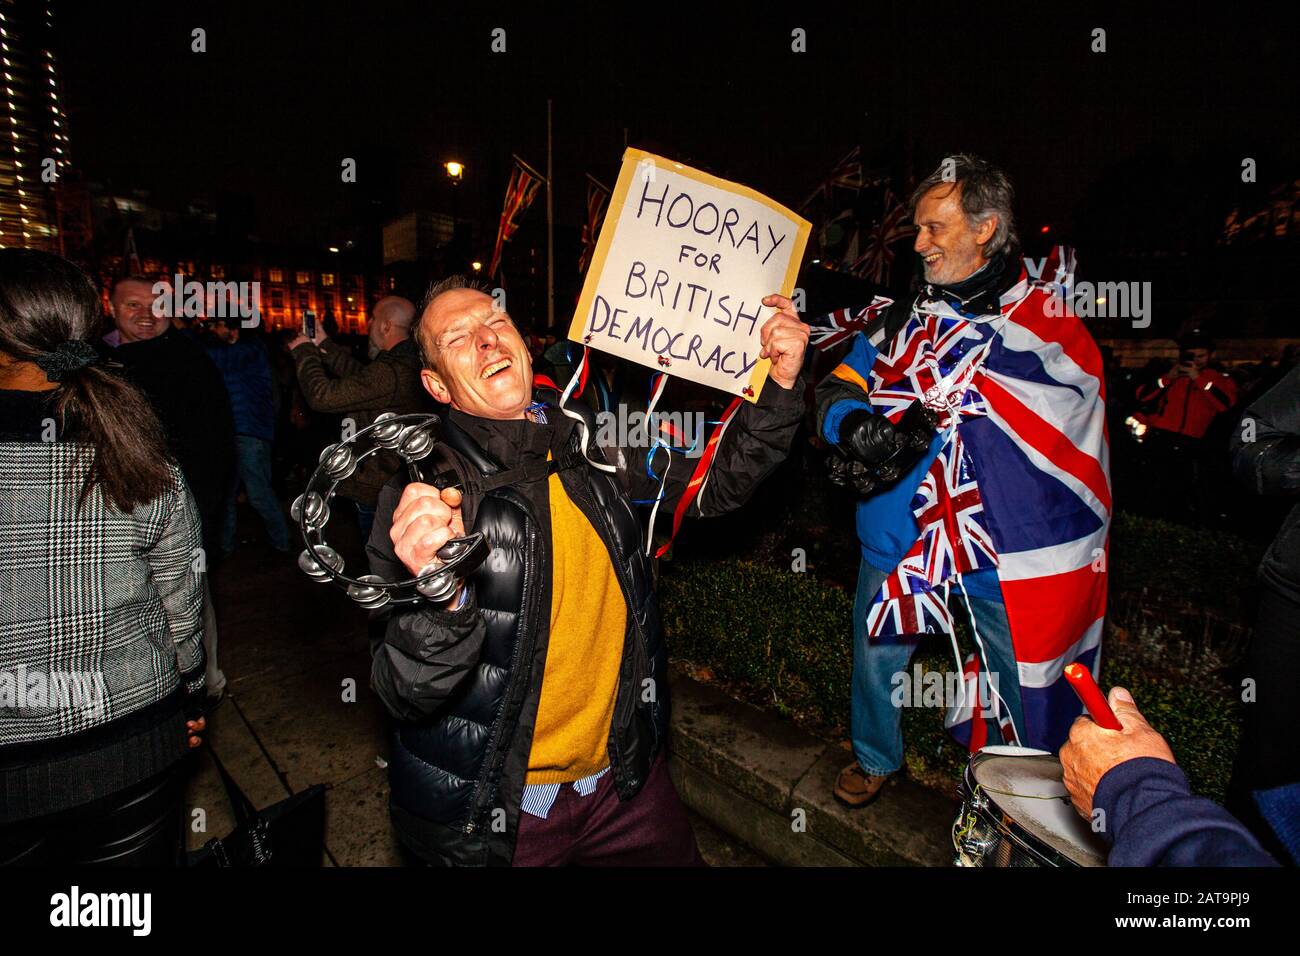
(424,521)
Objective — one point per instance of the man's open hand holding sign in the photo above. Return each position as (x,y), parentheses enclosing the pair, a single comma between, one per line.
(785,339)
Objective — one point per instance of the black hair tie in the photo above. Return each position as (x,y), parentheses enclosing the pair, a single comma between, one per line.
(67,357)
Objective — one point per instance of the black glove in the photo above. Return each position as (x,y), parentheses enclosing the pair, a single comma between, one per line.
(846,472)
(868,438)
(883,451)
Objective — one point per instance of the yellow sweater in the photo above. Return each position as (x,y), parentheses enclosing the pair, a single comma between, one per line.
(588,619)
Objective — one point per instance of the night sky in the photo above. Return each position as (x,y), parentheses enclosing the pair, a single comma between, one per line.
(285,93)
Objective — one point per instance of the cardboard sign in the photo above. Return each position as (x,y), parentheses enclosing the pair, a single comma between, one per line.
(681,268)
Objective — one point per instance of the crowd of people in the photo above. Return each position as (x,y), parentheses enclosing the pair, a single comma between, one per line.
(530,708)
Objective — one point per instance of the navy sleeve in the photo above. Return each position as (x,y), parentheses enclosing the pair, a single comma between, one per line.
(1152,818)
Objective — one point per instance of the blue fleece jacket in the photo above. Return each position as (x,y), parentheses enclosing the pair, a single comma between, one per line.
(1152,818)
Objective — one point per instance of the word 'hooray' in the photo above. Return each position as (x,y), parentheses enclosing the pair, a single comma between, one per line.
(683,212)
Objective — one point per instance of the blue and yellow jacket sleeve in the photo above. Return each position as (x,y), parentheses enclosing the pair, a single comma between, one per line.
(845,389)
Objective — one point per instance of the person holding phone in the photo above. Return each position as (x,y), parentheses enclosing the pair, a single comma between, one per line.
(334,382)
(1185,400)
(1177,413)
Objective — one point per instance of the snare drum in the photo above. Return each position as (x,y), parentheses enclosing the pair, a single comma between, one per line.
(1016,812)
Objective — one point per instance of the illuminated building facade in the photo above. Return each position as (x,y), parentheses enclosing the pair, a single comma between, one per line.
(288,292)
(33,126)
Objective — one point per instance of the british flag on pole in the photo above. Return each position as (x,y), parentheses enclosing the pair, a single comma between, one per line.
(876,262)
(520,193)
(597,198)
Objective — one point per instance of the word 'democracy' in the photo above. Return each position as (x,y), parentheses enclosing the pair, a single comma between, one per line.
(682,265)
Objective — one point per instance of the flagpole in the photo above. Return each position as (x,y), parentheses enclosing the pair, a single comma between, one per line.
(550,228)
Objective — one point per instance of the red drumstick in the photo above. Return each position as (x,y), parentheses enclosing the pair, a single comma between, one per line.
(1080,679)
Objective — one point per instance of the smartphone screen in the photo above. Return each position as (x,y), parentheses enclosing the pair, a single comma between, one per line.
(309,324)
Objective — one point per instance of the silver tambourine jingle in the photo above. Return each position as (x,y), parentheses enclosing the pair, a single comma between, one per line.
(412,437)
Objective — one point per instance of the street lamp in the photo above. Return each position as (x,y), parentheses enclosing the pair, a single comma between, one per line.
(455,171)
(476,265)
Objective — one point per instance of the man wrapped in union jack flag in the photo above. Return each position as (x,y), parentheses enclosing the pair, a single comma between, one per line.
(974,423)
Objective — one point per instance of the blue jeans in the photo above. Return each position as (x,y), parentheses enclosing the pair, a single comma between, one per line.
(254,458)
(876,723)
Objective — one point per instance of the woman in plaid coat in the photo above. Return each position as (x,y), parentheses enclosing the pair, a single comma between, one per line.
(101,651)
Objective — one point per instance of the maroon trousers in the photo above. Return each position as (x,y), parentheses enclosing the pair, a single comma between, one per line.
(651,829)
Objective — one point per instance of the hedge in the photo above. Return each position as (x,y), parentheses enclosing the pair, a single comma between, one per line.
(784,639)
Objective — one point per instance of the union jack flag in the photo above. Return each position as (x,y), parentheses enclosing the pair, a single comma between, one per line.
(1062,265)
(875,263)
(954,532)
(917,364)
(1056,269)
(597,197)
(918,612)
(831,329)
(847,174)
(1019,482)
(520,193)
(964,720)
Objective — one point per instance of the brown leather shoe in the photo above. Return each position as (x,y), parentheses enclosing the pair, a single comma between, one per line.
(856,788)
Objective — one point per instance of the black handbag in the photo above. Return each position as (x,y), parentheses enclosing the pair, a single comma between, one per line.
(288,833)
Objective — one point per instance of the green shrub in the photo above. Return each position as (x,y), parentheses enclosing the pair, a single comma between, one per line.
(1201,725)
(786,633)
(1209,569)
(786,640)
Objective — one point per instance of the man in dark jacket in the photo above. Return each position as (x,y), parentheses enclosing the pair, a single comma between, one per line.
(186,391)
(190,399)
(533,705)
(1265,787)
(1127,783)
(334,382)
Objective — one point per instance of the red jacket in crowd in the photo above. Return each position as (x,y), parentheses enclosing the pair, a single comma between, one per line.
(1186,406)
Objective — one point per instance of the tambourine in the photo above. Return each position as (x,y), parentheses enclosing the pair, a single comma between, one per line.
(412,437)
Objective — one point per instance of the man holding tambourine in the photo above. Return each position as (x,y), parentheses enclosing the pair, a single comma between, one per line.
(532,703)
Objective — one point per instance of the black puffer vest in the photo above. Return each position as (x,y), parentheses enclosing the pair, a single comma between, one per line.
(457,778)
